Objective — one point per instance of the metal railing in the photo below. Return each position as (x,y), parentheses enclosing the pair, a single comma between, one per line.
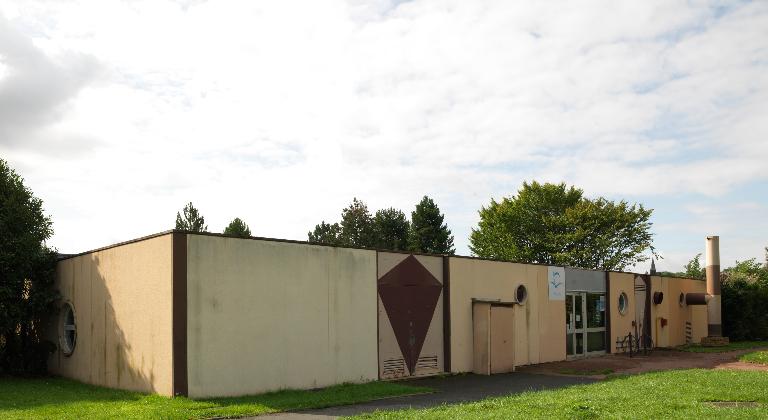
(634,344)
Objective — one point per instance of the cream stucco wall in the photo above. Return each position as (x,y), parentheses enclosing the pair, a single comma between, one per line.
(122,302)
(266,315)
(539,323)
(660,333)
(679,315)
(621,324)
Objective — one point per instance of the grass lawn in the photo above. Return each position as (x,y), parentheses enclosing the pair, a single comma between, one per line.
(682,394)
(60,398)
(759,357)
(736,345)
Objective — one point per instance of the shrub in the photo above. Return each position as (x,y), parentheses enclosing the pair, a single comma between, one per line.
(26,276)
(745,310)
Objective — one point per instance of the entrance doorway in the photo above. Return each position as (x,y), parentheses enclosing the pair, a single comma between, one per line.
(493,330)
(585,324)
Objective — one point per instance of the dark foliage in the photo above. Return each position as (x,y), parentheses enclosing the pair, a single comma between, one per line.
(26,277)
(238,228)
(326,234)
(191,220)
(745,310)
(428,232)
(390,228)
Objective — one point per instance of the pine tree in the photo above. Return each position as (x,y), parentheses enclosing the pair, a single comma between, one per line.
(428,233)
(357,225)
(238,228)
(390,228)
(326,234)
(192,221)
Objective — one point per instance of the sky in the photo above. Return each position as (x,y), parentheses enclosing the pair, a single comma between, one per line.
(118,113)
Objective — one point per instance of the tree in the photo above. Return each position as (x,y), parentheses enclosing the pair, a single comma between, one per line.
(390,228)
(748,271)
(26,276)
(555,224)
(357,225)
(238,228)
(192,220)
(327,234)
(428,233)
(693,269)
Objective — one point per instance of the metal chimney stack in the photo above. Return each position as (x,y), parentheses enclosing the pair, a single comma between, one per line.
(715,324)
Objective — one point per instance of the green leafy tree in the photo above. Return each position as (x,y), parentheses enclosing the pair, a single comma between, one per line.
(749,271)
(191,220)
(744,289)
(693,269)
(238,228)
(391,229)
(26,276)
(428,233)
(325,233)
(555,224)
(357,225)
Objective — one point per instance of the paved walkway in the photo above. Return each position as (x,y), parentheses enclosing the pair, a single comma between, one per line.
(452,389)
(657,360)
(464,388)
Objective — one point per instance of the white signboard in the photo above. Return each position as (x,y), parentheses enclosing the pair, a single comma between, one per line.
(556,281)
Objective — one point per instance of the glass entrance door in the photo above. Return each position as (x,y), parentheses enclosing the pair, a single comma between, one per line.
(585,324)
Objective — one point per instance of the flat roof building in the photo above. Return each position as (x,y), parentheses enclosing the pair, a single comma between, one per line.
(203,315)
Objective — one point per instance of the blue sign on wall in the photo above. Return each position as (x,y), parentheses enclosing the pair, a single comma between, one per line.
(556,282)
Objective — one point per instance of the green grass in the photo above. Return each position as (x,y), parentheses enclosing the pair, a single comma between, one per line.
(57,398)
(585,372)
(677,394)
(737,345)
(758,357)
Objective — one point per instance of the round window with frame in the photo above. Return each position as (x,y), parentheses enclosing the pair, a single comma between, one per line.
(623,303)
(68,329)
(521,294)
(681,299)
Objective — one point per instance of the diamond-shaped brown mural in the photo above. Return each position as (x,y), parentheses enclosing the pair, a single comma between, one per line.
(410,293)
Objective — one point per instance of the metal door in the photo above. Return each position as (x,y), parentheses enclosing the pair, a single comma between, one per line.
(502,344)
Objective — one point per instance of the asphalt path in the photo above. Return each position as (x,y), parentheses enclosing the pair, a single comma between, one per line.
(450,390)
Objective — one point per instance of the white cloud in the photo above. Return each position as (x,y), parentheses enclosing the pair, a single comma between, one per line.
(279,112)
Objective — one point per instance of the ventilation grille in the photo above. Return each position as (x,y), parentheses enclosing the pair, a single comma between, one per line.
(393,368)
(427,364)
(688,333)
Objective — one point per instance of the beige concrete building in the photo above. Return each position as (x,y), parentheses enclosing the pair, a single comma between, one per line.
(206,315)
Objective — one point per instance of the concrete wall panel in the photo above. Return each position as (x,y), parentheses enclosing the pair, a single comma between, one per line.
(122,302)
(539,323)
(267,315)
(621,324)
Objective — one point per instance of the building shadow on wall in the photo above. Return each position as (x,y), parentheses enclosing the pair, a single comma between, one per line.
(103,354)
(113,355)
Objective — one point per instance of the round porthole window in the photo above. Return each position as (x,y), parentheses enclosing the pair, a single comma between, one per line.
(681,299)
(521,294)
(623,303)
(68,329)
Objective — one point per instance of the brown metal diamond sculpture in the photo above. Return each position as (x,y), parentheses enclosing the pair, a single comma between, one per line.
(410,293)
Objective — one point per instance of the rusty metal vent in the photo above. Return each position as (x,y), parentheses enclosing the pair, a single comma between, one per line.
(393,368)
(427,363)
(688,333)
